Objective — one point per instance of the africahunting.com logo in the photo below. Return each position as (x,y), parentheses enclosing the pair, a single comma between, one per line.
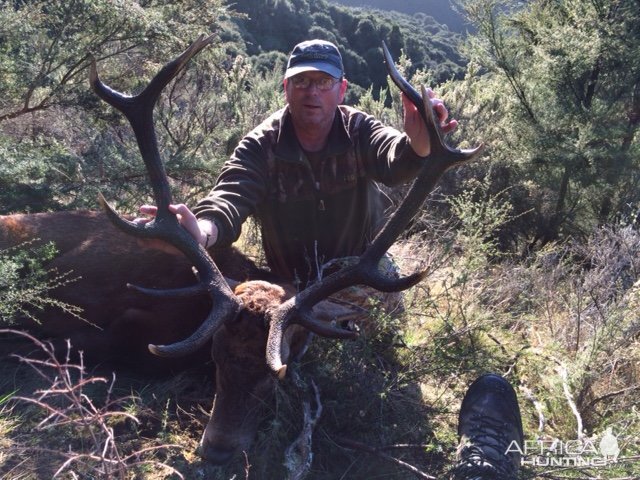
(572,453)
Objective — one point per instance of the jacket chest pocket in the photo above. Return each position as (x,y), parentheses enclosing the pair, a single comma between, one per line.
(290,183)
(296,181)
(337,174)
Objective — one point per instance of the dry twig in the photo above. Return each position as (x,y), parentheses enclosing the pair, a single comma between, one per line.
(66,404)
(299,455)
(354,445)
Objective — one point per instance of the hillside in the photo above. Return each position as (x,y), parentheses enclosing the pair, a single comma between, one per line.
(443,11)
(269,31)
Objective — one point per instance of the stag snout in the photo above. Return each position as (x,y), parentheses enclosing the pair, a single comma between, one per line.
(237,410)
(216,455)
(219,450)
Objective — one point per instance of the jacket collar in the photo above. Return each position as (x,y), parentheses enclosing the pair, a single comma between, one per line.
(287,146)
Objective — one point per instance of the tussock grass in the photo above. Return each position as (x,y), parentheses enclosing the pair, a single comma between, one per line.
(561,325)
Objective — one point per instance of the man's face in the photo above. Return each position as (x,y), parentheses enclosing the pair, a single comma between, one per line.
(310,105)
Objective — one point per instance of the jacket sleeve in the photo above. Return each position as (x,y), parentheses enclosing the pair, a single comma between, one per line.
(386,154)
(241,185)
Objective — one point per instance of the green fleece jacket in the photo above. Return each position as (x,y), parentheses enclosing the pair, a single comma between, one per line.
(311,207)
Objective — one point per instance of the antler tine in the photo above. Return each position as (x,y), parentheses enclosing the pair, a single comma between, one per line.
(138,110)
(365,271)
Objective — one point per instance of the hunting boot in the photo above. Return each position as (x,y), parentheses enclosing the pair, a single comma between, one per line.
(490,431)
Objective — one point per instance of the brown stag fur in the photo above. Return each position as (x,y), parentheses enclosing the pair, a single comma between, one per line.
(120,323)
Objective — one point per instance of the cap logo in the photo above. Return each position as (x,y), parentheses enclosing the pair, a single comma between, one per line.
(322,56)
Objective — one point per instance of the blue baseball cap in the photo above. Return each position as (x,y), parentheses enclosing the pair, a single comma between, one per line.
(315,55)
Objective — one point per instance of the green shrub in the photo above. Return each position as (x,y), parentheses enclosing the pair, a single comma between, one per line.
(25,282)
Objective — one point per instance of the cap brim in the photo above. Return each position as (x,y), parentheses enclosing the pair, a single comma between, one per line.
(314,67)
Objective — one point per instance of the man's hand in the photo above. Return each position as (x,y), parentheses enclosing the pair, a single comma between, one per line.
(204,232)
(414,125)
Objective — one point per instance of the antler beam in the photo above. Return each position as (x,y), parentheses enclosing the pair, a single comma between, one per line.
(138,110)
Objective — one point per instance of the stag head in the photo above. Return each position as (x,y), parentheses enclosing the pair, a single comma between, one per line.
(259,319)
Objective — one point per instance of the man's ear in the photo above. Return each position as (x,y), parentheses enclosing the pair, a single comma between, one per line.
(343,89)
(285,81)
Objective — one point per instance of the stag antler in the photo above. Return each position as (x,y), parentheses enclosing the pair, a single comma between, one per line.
(365,271)
(139,111)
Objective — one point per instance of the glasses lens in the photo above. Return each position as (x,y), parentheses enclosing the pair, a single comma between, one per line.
(324,84)
(301,82)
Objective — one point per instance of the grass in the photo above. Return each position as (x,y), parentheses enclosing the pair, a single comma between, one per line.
(562,326)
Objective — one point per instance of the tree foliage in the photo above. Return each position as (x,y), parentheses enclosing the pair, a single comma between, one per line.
(556,89)
(358,32)
(443,11)
(46,44)
(61,146)
(25,283)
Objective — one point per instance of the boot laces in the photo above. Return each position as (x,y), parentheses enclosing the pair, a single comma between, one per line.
(484,454)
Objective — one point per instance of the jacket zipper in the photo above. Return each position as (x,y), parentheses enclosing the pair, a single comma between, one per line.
(320,202)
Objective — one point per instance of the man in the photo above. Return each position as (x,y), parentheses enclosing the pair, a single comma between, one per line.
(308,173)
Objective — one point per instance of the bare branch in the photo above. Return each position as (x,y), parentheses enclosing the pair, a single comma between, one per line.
(354,445)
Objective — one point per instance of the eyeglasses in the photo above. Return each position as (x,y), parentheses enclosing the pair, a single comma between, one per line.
(324,84)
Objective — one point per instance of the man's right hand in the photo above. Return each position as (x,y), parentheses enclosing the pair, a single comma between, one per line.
(416,129)
(203,231)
